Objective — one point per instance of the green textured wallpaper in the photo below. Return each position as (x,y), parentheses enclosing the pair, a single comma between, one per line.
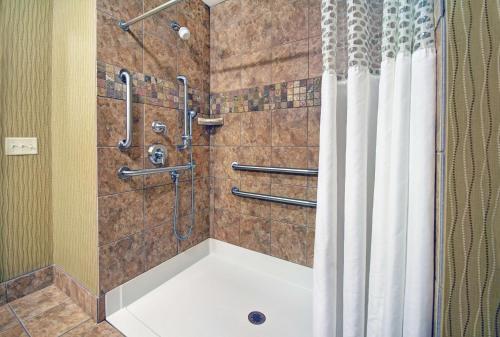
(74,138)
(471,301)
(25,197)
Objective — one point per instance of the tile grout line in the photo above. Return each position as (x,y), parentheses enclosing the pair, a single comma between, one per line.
(76,326)
(19,320)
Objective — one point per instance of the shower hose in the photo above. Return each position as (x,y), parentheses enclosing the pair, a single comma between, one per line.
(175,179)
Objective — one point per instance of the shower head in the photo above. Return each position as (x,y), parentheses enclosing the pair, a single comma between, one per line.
(183,32)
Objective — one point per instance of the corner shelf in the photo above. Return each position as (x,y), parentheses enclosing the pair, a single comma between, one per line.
(211,123)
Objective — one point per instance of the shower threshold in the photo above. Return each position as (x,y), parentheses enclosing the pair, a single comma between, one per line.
(210,290)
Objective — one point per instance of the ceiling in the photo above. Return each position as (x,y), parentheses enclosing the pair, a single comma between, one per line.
(213,2)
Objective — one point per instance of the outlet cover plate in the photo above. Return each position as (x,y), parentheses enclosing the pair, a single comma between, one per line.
(20,146)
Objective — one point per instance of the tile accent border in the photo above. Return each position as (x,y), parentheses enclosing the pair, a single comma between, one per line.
(77,292)
(146,89)
(293,94)
(26,284)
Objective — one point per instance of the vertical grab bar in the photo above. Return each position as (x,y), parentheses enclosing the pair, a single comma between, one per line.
(127,142)
(186,135)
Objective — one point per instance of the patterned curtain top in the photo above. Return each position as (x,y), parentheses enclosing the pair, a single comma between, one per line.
(362,33)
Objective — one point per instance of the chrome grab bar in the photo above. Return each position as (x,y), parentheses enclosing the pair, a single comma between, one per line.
(273,198)
(187,135)
(125,25)
(124,172)
(127,142)
(283,170)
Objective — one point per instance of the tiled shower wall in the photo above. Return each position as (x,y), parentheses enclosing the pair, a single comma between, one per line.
(265,64)
(271,51)
(135,216)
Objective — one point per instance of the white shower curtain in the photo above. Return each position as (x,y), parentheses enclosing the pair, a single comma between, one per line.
(373,257)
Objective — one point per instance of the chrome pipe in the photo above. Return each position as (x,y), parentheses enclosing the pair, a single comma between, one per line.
(273,198)
(124,172)
(186,135)
(126,25)
(126,78)
(440,176)
(282,170)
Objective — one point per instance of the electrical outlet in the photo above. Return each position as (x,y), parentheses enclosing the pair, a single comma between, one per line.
(18,146)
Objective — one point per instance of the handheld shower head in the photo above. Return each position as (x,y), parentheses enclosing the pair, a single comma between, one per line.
(183,32)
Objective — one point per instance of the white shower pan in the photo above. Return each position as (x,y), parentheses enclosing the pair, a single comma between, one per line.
(209,291)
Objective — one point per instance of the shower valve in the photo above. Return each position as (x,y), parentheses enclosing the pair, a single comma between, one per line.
(157,154)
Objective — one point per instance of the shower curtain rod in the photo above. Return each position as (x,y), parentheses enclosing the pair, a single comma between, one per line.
(125,25)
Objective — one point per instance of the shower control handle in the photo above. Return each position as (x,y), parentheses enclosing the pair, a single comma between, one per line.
(159,127)
(157,154)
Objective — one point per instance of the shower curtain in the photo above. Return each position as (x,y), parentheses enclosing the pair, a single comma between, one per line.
(373,257)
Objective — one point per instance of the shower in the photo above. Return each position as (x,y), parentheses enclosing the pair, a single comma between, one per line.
(187,144)
(183,32)
(157,153)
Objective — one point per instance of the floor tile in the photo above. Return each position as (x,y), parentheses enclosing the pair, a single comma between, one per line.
(15,331)
(7,318)
(38,302)
(91,329)
(56,321)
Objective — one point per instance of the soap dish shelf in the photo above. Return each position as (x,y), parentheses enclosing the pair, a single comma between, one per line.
(211,123)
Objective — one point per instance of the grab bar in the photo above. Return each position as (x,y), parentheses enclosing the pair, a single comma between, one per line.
(127,142)
(124,172)
(273,198)
(284,170)
(187,134)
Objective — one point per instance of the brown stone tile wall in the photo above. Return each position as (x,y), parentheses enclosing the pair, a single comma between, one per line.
(265,81)
(258,42)
(283,138)
(135,216)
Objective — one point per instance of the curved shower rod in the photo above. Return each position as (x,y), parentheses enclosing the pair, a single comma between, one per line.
(126,24)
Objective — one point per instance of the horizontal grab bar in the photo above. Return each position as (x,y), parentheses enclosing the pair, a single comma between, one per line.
(273,198)
(124,172)
(283,170)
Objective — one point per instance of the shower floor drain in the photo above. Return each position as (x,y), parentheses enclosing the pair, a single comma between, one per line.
(256,317)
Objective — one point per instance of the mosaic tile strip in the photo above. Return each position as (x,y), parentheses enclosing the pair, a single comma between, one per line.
(146,89)
(293,94)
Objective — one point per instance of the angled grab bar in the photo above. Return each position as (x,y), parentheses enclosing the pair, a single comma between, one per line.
(124,172)
(127,142)
(273,198)
(283,170)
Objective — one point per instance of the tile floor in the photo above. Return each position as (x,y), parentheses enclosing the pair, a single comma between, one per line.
(49,313)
